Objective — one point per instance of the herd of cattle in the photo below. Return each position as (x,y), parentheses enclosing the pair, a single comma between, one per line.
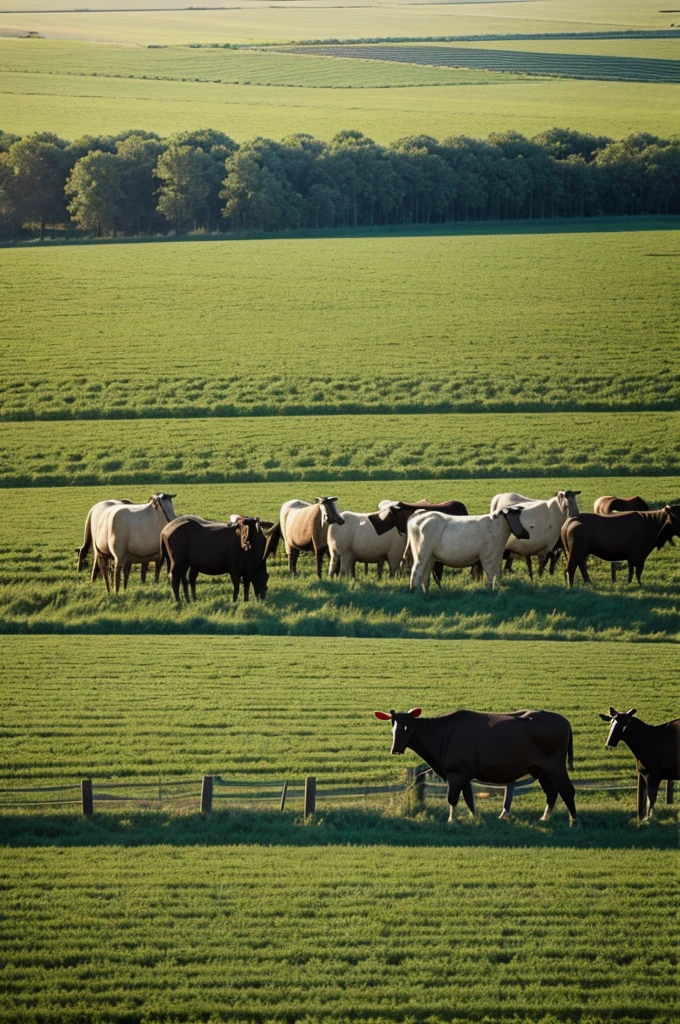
(420,534)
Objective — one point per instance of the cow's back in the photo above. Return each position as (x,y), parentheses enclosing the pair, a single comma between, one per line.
(458,541)
(135,530)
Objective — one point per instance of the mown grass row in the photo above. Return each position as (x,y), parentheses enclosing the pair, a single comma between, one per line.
(600,66)
(250,933)
(281,325)
(244,67)
(258,708)
(42,593)
(313,448)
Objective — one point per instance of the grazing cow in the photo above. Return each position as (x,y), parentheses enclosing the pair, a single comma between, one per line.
(92,527)
(132,533)
(656,749)
(544,530)
(461,541)
(622,537)
(357,541)
(608,504)
(304,527)
(238,549)
(494,748)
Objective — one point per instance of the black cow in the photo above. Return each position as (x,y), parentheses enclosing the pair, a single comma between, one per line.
(497,749)
(238,549)
(623,537)
(656,749)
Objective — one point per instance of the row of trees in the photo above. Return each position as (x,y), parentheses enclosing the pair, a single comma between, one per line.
(138,183)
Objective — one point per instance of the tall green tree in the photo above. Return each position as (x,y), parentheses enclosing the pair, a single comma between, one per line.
(96,187)
(185,175)
(40,165)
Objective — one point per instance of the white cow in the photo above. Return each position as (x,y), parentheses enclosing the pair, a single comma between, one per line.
(544,525)
(93,523)
(304,527)
(356,541)
(131,533)
(460,541)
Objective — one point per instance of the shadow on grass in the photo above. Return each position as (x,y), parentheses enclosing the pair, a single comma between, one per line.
(519,610)
(597,829)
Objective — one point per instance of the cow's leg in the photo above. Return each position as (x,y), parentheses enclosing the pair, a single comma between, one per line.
(126,574)
(319,552)
(469,796)
(193,575)
(175,576)
(293,556)
(420,576)
(143,569)
(380,565)
(366,570)
(157,574)
(551,793)
(566,790)
(530,568)
(455,785)
(492,571)
(653,783)
(438,572)
(638,571)
(641,796)
(236,581)
(246,588)
(583,566)
(507,800)
(117,569)
(507,567)
(185,587)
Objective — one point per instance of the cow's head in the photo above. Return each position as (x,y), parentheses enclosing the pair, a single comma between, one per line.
(403,724)
(329,513)
(395,514)
(567,502)
(259,579)
(245,531)
(163,502)
(620,720)
(513,517)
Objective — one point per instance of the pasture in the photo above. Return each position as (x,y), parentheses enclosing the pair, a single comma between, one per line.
(318,324)
(72,106)
(42,593)
(243,932)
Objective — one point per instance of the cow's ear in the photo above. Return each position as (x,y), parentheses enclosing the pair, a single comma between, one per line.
(613,712)
(416,712)
(606,718)
(382,715)
(632,711)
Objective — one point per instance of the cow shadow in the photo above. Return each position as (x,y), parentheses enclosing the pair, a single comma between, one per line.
(598,829)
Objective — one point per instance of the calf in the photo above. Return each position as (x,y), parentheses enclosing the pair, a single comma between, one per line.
(656,749)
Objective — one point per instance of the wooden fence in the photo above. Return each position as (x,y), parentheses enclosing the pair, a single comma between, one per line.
(212,790)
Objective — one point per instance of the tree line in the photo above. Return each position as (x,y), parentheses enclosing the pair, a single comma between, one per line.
(138,183)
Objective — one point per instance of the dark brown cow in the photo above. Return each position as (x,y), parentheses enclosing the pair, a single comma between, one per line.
(400,512)
(239,549)
(494,748)
(656,749)
(622,537)
(609,504)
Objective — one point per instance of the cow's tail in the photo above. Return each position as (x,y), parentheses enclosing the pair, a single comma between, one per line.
(570,751)
(87,543)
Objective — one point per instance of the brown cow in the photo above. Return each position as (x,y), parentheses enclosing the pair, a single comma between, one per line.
(304,527)
(622,537)
(494,748)
(609,504)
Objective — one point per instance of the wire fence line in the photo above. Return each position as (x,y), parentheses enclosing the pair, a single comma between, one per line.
(88,791)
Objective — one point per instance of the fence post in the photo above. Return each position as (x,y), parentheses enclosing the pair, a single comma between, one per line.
(87,797)
(310,795)
(206,794)
(641,798)
(284,792)
(669,791)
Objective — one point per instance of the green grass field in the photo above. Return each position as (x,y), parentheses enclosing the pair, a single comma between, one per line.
(269,708)
(73,106)
(249,933)
(308,448)
(433,321)
(42,593)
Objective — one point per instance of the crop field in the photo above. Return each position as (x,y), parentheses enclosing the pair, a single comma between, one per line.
(307,448)
(258,22)
(256,933)
(614,68)
(72,106)
(319,325)
(237,67)
(42,593)
(647,46)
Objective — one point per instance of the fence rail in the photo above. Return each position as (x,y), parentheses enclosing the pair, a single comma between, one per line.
(213,787)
